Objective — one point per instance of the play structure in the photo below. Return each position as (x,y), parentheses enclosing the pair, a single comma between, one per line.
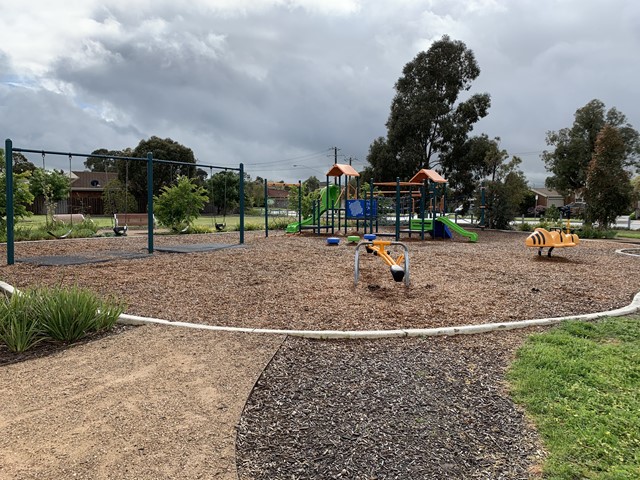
(414,208)
(378,248)
(329,200)
(542,238)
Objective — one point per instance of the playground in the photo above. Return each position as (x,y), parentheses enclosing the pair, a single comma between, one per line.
(161,402)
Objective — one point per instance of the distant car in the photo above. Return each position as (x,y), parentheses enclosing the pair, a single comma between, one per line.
(574,209)
(537,211)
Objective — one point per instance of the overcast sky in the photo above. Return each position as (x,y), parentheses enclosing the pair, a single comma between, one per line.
(278,83)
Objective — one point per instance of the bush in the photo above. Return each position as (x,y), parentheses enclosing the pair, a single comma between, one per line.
(279,223)
(19,322)
(525,227)
(587,231)
(198,229)
(552,213)
(61,314)
(179,205)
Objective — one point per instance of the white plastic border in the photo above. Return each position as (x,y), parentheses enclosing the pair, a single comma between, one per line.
(630,309)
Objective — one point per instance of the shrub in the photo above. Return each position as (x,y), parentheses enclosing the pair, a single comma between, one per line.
(19,323)
(179,205)
(587,231)
(62,314)
(279,223)
(70,314)
(525,227)
(552,213)
(198,229)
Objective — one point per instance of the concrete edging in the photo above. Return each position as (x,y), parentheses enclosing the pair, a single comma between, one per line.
(127,319)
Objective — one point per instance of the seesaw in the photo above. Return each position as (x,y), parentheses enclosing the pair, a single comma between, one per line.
(541,238)
(377,247)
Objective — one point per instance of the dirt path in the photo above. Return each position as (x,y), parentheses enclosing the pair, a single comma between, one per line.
(151,402)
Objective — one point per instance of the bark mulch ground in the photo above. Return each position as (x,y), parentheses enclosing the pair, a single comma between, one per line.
(388,409)
(424,408)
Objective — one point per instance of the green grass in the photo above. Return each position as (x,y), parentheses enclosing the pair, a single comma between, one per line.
(580,383)
(37,222)
(627,234)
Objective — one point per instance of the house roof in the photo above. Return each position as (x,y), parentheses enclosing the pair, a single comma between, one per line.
(86,180)
(340,169)
(546,192)
(425,174)
(277,193)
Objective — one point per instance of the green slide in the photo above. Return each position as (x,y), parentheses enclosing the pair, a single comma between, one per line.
(472,236)
(334,193)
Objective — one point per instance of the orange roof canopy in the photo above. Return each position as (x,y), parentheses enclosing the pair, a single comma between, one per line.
(340,169)
(425,174)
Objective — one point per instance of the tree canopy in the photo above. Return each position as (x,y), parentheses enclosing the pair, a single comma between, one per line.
(574,147)
(163,174)
(608,191)
(427,118)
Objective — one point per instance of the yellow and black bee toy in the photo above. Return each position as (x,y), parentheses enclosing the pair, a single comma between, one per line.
(541,238)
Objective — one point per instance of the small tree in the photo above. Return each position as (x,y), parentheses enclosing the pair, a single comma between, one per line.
(22,197)
(116,199)
(608,192)
(52,185)
(179,205)
(504,194)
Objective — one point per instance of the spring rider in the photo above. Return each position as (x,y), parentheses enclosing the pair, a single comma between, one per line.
(377,247)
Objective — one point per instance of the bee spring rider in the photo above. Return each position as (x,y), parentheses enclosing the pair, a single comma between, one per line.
(556,238)
(377,247)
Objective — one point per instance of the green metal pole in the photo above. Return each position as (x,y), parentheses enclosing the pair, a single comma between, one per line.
(326,202)
(149,202)
(423,193)
(8,152)
(357,198)
(266,209)
(482,205)
(370,208)
(397,209)
(241,203)
(300,206)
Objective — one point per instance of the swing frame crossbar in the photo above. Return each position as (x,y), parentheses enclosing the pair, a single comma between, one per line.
(10,149)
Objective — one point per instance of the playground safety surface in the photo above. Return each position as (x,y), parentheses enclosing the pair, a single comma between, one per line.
(147,403)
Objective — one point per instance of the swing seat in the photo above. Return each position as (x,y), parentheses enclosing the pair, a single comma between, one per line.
(60,237)
(120,231)
(220,227)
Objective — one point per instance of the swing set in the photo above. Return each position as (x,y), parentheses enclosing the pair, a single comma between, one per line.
(220,227)
(69,201)
(149,160)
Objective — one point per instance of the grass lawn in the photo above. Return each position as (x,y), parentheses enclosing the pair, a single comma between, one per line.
(232,221)
(628,234)
(580,383)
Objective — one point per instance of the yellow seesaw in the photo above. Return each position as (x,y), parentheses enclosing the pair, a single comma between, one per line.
(377,247)
(541,238)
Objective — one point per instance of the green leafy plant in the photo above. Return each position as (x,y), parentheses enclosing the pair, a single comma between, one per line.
(68,314)
(588,231)
(62,314)
(179,205)
(19,323)
(525,227)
